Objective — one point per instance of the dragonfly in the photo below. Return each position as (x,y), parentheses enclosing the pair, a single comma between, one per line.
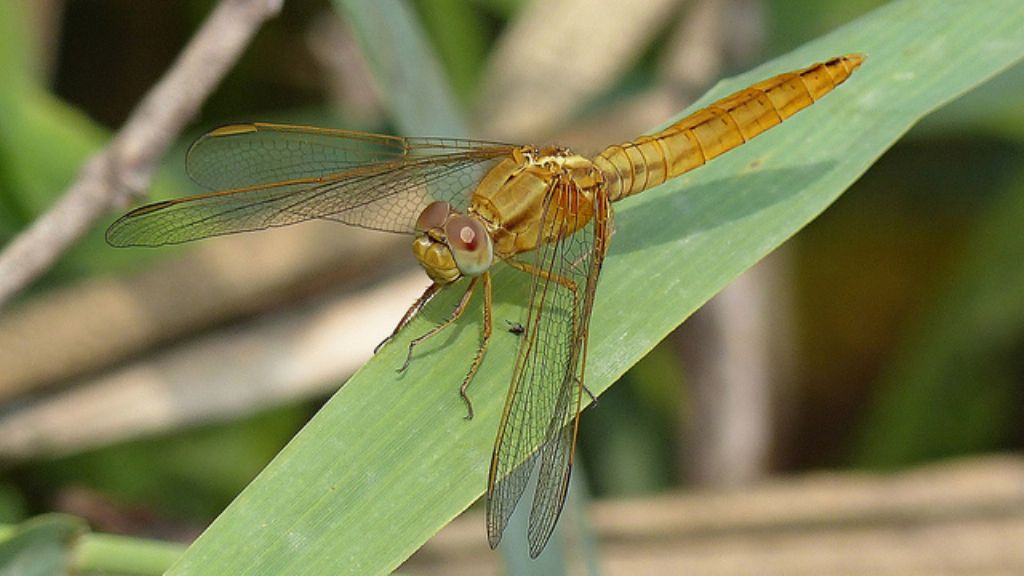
(468,205)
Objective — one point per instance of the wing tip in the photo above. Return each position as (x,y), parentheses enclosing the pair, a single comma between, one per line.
(493,540)
(111,236)
(119,234)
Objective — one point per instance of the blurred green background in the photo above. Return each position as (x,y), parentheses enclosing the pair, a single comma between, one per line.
(904,298)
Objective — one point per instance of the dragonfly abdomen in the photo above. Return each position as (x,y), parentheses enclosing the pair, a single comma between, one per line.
(648,161)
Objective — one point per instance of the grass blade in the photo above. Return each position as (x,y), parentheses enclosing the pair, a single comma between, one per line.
(389,459)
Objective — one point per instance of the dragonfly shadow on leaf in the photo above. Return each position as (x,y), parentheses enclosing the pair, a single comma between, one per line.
(672,216)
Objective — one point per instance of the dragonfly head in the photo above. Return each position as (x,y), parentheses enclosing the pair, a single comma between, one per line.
(450,245)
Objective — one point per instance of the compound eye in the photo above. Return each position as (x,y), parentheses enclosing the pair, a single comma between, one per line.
(470,244)
(433,216)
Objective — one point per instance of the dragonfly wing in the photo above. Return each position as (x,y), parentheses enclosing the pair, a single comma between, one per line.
(254,154)
(387,195)
(540,417)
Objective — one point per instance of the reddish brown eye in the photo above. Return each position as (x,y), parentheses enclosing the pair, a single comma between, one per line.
(433,216)
(470,244)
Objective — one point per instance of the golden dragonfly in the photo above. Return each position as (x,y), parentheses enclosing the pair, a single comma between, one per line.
(469,204)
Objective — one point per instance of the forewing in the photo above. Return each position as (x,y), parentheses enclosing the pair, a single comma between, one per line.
(539,421)
(378,192)
(258,153)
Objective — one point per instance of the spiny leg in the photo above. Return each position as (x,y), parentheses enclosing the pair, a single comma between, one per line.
(418,305)
(485,339)
(456,313)
(533,270)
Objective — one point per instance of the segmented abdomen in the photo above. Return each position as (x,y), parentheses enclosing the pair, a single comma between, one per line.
(650,160)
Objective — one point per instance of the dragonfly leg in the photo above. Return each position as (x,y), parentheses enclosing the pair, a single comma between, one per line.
(418,305)
(561,280)
(456,313)
(531,269)
(579,382)
(484,340)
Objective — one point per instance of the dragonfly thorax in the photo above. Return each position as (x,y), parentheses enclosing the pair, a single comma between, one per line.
(514,196)
(561,160)
(450,245)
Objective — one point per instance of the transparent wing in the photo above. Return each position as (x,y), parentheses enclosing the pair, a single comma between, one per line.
(542,408)
(254,154)
(271,175)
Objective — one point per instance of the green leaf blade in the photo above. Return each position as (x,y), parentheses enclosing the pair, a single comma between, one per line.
(389,459)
